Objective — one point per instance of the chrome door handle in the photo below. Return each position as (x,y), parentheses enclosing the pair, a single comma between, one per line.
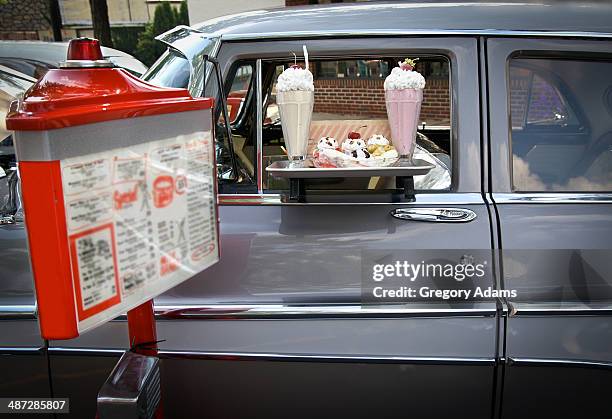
(435,215)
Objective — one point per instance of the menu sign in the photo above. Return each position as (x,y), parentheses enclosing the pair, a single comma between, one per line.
(140,220)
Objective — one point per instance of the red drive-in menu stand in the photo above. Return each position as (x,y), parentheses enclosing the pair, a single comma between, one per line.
(119,194)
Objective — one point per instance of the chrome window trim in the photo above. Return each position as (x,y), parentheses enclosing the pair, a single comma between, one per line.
(559,362)
(259,124)
(414,32)
(434,198)
(553,198)
(279,311)
(250,356)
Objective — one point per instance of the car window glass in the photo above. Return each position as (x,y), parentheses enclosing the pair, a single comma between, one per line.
(349,96)
(171,70)
(32,68)
(238,91)
(13,85)
(561,124)
(240,113)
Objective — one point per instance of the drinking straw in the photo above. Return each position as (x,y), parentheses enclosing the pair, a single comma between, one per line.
(305,56)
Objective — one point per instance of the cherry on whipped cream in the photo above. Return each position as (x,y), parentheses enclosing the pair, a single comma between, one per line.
(353,135)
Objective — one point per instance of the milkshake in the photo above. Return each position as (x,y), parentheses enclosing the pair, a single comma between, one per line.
(295,100)
(403,97)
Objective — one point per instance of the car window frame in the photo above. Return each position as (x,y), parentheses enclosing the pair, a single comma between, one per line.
(500,50)
(462,53)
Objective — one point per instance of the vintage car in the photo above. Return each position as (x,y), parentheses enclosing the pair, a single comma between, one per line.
(517,114)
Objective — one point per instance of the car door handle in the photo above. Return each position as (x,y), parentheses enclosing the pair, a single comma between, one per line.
(435,215)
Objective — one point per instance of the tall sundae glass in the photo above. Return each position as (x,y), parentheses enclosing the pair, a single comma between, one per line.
(403,97)
(295,100)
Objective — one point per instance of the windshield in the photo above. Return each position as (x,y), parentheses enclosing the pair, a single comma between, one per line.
(182,65)
(170,70)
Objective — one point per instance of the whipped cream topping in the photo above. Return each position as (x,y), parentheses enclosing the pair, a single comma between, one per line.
(404,79)
(327,143)
(352,144)
(378,139)
(295,79)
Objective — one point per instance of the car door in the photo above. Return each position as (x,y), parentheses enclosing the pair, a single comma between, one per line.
(551,172)
(283,308)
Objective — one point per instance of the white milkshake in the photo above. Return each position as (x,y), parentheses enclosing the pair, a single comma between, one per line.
(295,100)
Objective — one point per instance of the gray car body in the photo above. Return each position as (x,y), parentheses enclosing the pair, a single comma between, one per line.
(237,345)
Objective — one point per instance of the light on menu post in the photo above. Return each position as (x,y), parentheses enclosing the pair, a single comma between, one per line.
(119,193)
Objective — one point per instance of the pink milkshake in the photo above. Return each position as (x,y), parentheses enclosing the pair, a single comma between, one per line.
(403,97)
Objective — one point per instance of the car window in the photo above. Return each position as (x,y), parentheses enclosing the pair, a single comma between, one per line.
(240,112)
(238,91)
(13,85)
(561,116)
(32,68)
(349,96)
(170,70)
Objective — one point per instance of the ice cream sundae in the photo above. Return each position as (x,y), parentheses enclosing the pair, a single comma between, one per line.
(327,143)
(355,152)
(403,97)
(295,100)
(355,147)
(379,146)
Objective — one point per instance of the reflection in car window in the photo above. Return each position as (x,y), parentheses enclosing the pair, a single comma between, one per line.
(171,70)
(561,125)
(239,110)
(13,85)
(349,96)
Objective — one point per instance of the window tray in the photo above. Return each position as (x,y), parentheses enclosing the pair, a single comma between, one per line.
(298,172)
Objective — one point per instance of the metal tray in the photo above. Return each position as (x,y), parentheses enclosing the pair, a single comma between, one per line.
(306,169)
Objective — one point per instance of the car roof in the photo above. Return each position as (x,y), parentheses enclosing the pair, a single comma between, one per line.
(593,18)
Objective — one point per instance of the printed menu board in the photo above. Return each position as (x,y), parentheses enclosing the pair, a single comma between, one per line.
(140,220)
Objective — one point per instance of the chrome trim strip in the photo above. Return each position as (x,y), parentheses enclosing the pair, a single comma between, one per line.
(441,198)
(271,311)
(413,32)
(559,362)
(577,309)
(17,312)
(552,198)
(9,350)
(254,356)
(58,350)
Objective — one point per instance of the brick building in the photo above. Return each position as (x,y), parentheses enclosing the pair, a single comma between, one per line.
(355,88)
(25,19)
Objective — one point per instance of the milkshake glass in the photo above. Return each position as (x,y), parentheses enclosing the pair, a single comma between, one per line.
(403,97)
(295,100)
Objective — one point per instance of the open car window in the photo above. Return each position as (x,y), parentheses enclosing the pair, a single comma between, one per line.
(349,96)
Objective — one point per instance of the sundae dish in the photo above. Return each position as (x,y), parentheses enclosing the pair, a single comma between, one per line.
(403,97)
(355,152)
(295,100)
